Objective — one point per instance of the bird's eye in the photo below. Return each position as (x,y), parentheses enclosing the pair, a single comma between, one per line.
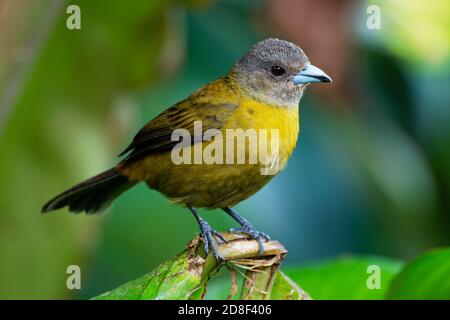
(277,71)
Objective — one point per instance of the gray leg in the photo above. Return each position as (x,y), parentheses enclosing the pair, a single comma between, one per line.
(207,234)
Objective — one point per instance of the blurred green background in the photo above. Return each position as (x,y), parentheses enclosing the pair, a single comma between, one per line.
(370,174)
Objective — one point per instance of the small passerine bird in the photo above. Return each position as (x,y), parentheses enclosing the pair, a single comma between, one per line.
(261,92)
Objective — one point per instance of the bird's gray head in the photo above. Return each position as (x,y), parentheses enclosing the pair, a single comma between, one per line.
(276,72)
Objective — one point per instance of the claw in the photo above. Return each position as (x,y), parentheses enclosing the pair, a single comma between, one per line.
(259,236)
(207,233)
(219,235)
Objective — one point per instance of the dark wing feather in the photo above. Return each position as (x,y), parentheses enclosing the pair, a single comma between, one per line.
(156,136)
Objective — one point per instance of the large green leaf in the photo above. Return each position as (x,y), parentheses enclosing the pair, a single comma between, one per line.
(426,277)
(345,278)
(176,278)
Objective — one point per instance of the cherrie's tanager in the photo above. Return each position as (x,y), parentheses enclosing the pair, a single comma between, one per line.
(261,92)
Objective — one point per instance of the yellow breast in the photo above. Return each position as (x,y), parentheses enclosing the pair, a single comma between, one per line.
(218,185)
(278,122)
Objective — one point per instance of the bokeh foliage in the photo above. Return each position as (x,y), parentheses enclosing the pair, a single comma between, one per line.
(370,173)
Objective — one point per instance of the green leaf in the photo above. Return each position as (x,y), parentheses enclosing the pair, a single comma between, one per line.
(345,278)
(426,277)
(219,288)
(176,278)
(285,288)
(187,275)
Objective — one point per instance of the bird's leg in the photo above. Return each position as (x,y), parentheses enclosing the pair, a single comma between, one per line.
(207,233)
(247,228)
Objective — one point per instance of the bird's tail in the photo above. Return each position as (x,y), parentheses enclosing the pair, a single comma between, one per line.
(92,195)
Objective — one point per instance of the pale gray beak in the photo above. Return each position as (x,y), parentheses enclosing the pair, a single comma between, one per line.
(310,74)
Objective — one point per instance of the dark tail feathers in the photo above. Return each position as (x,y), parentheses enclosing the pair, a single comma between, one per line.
(92,195)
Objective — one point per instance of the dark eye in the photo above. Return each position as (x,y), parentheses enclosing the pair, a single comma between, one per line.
(277,71)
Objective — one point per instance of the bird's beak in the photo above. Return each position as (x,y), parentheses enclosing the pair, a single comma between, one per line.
(310,74)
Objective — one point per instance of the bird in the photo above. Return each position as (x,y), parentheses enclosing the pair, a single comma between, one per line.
(261,91)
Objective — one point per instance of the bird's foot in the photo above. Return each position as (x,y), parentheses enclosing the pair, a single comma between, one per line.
(208,233)
(250,230)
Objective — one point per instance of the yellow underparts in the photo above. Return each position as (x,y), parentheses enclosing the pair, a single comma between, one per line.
(224,184)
